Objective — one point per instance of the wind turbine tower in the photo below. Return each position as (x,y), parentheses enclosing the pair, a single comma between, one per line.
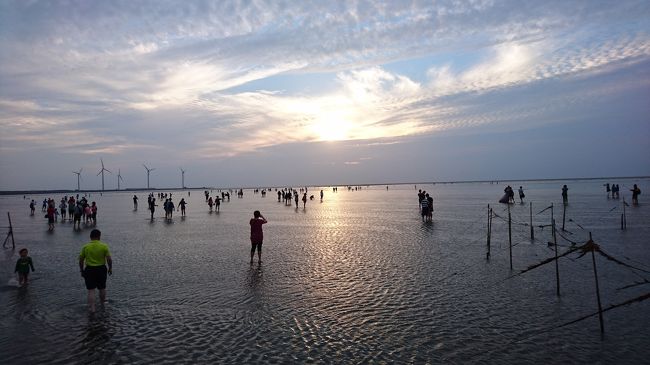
(119,177)
(182,178)
(102,173)
(78,173)
(148,172)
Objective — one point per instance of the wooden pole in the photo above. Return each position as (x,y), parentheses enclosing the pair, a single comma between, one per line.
(532,231)
(10,234)
(489,228)
(624,217)
(552,213)
(510,234)
(600,307)
(557,266)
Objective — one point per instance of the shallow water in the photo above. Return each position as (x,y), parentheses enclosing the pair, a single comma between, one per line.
(357,278)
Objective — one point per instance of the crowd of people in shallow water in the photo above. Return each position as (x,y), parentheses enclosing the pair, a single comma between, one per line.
(75,209)
(95,255)
(613,192)
(79,210)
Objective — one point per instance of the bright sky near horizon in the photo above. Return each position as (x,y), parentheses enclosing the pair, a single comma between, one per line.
(277,93)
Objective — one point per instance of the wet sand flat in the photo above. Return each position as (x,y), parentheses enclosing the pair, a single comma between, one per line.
(357,278)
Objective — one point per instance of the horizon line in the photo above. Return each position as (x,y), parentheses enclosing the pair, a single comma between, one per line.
(44,191)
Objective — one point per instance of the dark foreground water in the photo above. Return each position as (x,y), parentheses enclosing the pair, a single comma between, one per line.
(358,278)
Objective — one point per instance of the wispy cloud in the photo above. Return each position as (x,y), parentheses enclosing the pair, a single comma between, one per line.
(205,79)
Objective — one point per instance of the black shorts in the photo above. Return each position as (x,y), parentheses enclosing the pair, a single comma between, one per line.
(95,277)
(257,245)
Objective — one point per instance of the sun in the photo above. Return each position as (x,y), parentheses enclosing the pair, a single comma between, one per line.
(331,126)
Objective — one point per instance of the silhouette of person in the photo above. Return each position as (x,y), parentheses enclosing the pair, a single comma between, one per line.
(257,235)
(635,195)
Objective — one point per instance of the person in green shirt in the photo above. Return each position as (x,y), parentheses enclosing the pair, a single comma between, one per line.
(95,255)
(22,267)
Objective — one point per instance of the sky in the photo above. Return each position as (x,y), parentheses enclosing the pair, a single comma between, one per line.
(289,93)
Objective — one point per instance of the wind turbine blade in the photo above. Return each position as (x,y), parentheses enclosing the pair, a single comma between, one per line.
(100,172)
(81,169)
(109,171)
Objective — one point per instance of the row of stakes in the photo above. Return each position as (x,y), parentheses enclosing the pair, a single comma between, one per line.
(589,246)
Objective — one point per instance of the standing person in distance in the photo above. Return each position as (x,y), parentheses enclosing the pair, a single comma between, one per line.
(257,236)
(95,255)
(565,195)
(521,195)
(635,194)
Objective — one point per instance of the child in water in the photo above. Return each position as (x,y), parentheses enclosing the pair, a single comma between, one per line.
(23,265)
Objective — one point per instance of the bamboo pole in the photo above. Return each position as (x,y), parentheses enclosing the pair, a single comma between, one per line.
(489,231)
(557,266)
(10,234)
(510,235)
(624,217)
(600,307)
(552,214)
(532,231)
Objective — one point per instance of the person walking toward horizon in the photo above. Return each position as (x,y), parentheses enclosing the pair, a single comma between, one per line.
(182,204)
(152,206)
(64,208)
(135,202)
(257,235)
(50,215)
(93,259)
(521,195)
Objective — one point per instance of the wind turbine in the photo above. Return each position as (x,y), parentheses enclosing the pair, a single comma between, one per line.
(119,177)
(102,173)
(148,171)
(78,177)
(182,177)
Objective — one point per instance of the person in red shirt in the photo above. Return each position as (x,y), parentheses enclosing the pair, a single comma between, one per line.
(257,235)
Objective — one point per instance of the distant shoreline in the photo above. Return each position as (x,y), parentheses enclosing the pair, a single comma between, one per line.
(64,191)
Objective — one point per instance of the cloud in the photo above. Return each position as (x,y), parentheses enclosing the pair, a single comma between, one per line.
(208,79)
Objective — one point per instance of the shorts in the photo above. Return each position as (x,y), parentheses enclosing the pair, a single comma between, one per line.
(95,277)
(255,245)
(77,217)
(50,219)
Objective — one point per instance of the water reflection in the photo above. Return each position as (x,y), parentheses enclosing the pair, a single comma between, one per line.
(254,277)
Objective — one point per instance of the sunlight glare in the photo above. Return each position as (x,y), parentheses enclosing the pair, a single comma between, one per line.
(331,126)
